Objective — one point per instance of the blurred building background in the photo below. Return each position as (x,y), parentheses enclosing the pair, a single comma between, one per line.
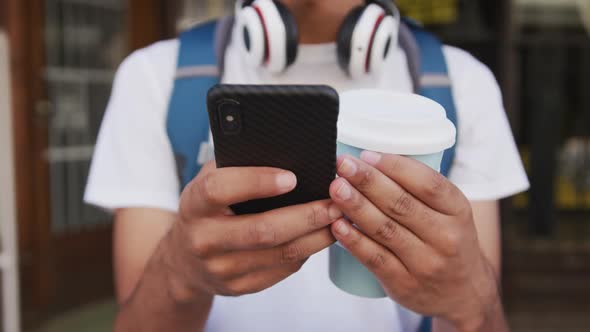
(63,54)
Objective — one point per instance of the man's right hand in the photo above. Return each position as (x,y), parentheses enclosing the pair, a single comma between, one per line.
(214,252)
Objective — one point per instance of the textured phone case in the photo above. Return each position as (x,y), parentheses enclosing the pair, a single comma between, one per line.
(289,127)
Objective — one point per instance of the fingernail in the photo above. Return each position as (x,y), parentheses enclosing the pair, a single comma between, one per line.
(286,181)
(370,157)
(341,228)
(347,168)
(344,192)
(334,212)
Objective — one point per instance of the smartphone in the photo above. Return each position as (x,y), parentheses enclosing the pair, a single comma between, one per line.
(291,127)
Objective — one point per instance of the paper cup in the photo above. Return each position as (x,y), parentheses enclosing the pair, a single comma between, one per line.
(386,122)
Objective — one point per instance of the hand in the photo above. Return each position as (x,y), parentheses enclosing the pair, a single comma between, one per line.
(217,253)
(417,235)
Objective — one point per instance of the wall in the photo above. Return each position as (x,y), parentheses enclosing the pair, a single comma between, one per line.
(2,14)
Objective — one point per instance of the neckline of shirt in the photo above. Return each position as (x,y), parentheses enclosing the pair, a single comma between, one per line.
(316,53)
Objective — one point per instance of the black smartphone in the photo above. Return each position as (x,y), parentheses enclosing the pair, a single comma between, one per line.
(291,127)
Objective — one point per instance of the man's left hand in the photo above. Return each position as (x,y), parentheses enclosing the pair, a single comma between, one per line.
(415,232)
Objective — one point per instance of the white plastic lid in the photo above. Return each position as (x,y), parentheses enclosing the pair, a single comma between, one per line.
(389,122)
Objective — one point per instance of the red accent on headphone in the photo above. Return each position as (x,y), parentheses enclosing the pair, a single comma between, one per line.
(266,40)
(368,59)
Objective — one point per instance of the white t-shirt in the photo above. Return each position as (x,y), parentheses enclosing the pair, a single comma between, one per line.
(134,166)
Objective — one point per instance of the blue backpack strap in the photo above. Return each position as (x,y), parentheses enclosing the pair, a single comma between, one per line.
(434,81)
(187,122)
(426,325)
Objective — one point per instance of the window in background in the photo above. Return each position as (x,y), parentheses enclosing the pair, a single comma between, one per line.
(430,11)
(553,42)
(85,41)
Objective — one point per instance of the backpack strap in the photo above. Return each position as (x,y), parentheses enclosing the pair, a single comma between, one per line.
(408,44)
(200,58)
(430,76)
(426,325)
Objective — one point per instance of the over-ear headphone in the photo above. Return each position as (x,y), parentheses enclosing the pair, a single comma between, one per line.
(270,35)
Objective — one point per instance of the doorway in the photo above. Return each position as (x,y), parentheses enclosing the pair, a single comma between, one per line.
(63,57)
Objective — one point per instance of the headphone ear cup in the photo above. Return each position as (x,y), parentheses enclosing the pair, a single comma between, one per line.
(384,40)
(291,32)
(253,36)
(361,40)
(270,35)
(344,39)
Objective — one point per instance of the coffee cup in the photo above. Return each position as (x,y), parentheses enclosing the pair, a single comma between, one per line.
(386,122)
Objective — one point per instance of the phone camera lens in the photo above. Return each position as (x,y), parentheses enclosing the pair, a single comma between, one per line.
(230,118)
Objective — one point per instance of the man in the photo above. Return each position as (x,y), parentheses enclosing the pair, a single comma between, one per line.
(185,263)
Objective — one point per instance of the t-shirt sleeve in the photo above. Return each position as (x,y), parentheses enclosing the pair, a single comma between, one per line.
(133,163)
(487,164)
